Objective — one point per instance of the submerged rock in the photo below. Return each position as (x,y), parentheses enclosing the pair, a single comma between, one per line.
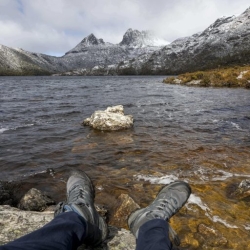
(5,194)
(35,200)
(112,118)
(242,192)
(212,237)
(84,147)
(10,193)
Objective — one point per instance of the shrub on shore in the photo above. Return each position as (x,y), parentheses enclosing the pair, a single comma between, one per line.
(221,77)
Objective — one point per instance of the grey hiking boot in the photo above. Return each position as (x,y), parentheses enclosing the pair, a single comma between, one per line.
(80,199)
(168,202)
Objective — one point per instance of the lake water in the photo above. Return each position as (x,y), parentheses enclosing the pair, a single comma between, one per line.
(200,135)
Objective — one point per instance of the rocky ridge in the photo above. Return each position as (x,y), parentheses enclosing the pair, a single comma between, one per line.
(225,42)
(90,53)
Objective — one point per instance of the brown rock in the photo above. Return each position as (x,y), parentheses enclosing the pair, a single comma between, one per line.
(126,205)
(35,200)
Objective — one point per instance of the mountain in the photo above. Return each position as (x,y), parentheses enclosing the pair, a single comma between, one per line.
(89,53)
(92,52)
(225,42)
(21,62)
(137,39)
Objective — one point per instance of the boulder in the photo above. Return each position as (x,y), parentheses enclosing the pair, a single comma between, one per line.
(112,118)
(35,200)
(126,205)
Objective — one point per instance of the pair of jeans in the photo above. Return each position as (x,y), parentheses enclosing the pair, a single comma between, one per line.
(67,231)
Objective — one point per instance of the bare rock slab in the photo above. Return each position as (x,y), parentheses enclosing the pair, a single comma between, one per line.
(123,240)
(15,223)
(112,118)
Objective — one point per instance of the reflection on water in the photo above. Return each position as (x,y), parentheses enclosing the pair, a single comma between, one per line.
(200,135)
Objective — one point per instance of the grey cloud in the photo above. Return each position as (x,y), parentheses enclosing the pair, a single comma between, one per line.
(56,26)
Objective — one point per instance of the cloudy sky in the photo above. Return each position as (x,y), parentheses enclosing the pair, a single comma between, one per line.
(56,26)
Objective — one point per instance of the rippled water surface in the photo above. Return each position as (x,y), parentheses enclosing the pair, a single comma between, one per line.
(200,135)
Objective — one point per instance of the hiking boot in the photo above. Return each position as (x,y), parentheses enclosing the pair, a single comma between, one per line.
(80,199)
(167,203)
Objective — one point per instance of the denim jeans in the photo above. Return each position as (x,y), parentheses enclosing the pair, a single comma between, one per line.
(67,231)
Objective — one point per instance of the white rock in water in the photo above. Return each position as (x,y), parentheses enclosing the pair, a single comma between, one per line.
(112,118)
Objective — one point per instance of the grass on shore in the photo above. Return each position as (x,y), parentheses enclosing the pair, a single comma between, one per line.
(222,77)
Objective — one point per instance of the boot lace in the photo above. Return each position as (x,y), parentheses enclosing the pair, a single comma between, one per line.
(167,206)
(78,195)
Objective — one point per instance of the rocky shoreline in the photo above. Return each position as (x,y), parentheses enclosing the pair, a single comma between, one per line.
(36,208)
(16,222)
(22,213)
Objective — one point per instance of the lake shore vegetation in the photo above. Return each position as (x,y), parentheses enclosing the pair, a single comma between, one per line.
(237,76)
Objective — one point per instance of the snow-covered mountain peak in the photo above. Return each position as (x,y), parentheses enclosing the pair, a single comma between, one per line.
(91,40)
(87,42)
(130,37)
(140,39)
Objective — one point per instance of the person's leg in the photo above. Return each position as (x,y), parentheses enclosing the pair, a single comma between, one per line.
(76,221)
(66,231)
(154,235)
(149,225)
